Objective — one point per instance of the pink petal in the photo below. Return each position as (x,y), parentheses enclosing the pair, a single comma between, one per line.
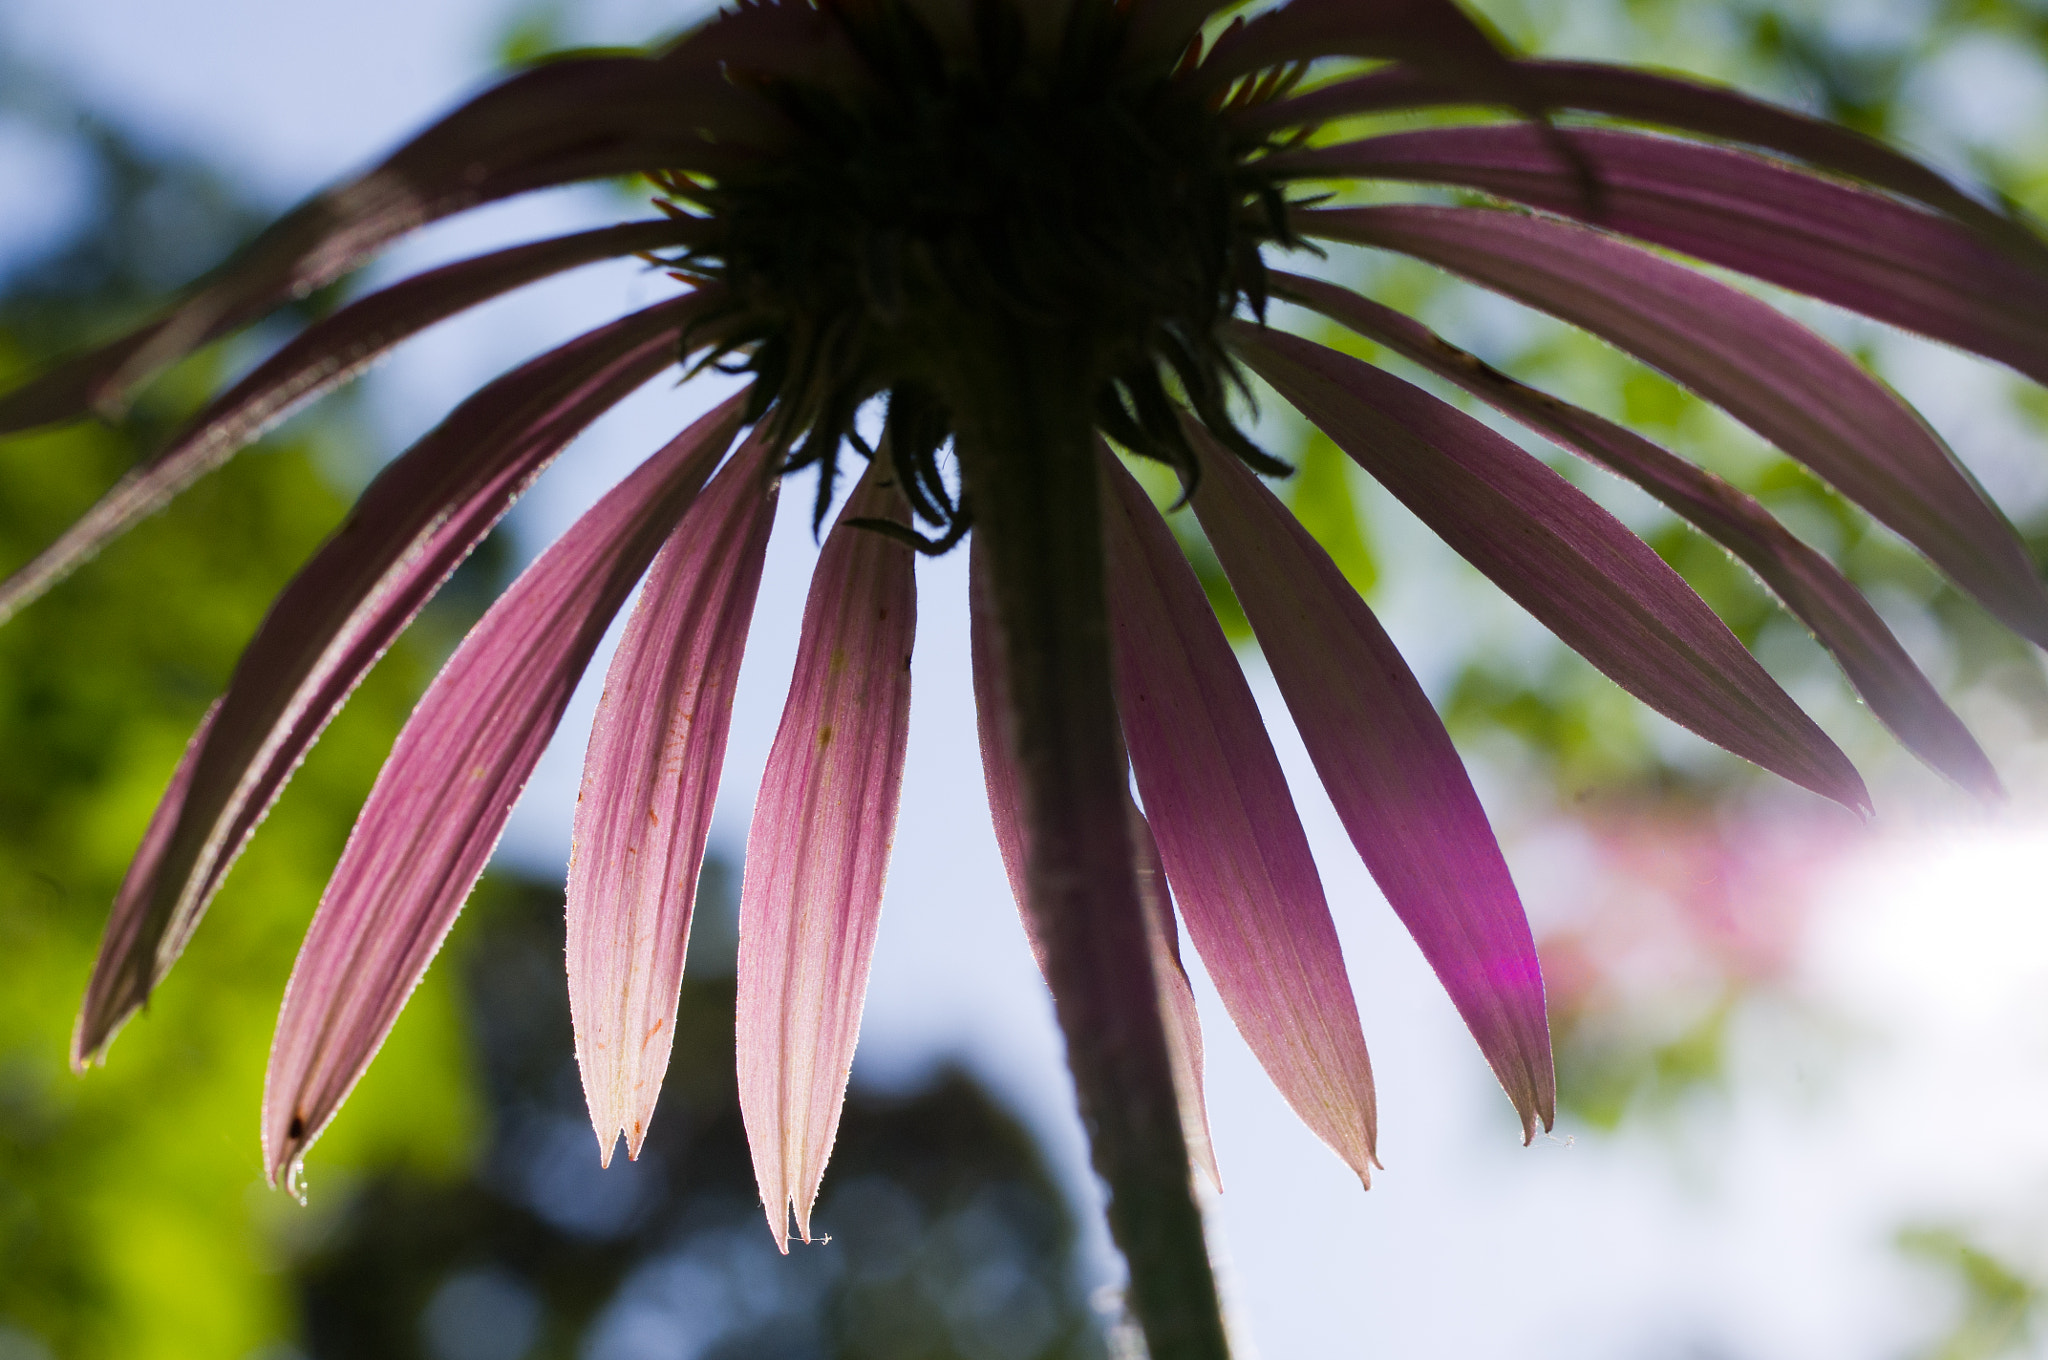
(1391,772)
(1234,850)
(1847,245)
(1564,559)
(819,849)
(1774,375)
(578,118)
(413,526)
(442,798)
(1841,619)
(324,355)
(649,782)
(1669,101)
(1005,804)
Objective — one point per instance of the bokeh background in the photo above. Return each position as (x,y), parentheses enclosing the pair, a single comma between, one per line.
(1804,1061)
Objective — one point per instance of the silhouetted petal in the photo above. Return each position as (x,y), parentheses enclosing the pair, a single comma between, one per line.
(574,119)
(1774,375)
(649,781)
(1436,35)
(1391,772)
(1847,245)
(1811,586)
(1005,795)
(324,355)
(442,798)
(123,927)
(1564,559)
(819,849)
(412,527)
(1227,831)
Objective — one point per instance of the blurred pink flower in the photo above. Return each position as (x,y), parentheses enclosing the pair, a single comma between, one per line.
(1015,228)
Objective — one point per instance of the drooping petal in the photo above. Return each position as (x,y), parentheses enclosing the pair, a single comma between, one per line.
(1227,831)
(442,798)
(1391,772)
(1811,587)
(1558,554)
(1668,101)
(578,118)
(818,851)
(1005,805)
(326,354)
(413,526)
(156,837)
(1436,35)
(1779,378)
(649,782)
(1847,245)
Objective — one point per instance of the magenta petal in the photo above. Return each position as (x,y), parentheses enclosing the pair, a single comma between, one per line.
(1847,245)
(413,526)
(442,798)
(1233,847)
(1005,801)
(1391,772)
(324,355)
(1564,559)
(577,118)
(649,781)
(1769,372)
(1811,587)
(819,849)
(1667,101)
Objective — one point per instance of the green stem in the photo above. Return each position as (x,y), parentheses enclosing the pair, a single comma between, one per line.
(1026,443)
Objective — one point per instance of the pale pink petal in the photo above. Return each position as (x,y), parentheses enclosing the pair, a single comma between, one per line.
(1233,847)
(414,525)
(649,782)
(1811,586)
(324,355)
(1554,551)
(1005,795)
(819,849)
(1391,772)
(1776,376)
(442,798)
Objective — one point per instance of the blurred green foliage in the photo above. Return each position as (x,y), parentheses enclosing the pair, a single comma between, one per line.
(1997,1301)
(132,1215)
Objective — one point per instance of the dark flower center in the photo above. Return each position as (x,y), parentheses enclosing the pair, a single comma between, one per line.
(974,181)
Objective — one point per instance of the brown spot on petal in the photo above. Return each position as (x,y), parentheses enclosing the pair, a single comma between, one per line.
(297,1128)
(824,736)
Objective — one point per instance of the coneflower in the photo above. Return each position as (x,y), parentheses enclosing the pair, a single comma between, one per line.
(1032,237)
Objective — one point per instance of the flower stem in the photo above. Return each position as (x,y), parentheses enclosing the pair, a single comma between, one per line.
(1026,444)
